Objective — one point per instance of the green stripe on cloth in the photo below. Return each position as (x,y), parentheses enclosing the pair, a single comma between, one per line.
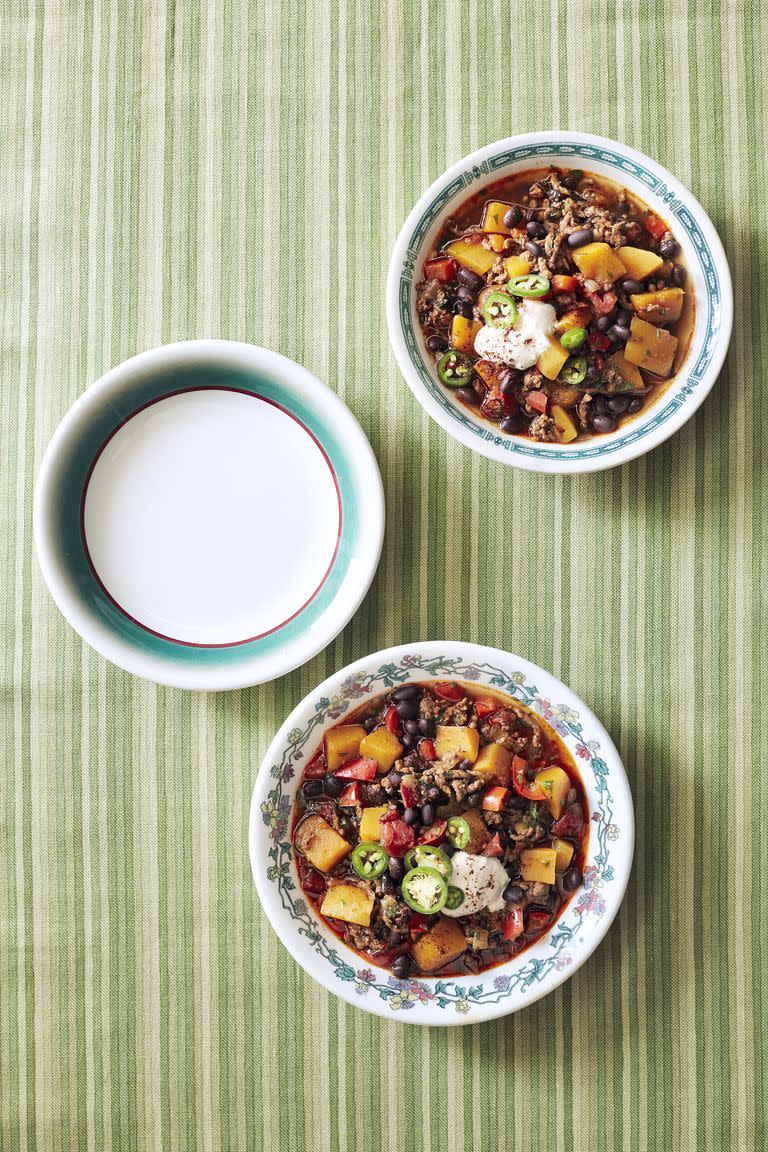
(237,169)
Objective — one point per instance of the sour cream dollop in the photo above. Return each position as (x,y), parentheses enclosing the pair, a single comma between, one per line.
(521,346)
(481,879)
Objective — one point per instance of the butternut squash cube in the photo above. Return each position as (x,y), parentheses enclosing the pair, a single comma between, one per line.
(663,307)
(556,783)
(519,265)
(383,747)
(599,262)
(639,262)
(341,744)
(463,334)
(442,944)
(370,824)
(493,762)
(563,853)
(472,255)
(464,742)
(652,349)
(496,241)
(538,864)
(564,423)
(552,359)
(493,217)
(577,317)
(320,843)
(349,903)
(629,372)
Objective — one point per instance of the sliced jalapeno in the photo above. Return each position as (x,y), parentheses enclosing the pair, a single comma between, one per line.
(499,310)
(455,898)
(425,855)
(574,371)
(424,890)
(454,368)
(458,831)
(529,286)
(573,338)
(369,861)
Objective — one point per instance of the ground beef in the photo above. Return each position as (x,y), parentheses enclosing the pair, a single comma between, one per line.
(456,783)
(612,381)
(503,727)
(533,380)
(430,305)
(583,409)
(543,428)
(364,939)
(446,711)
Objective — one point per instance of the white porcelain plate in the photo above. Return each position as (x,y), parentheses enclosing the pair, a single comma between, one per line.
(222,515)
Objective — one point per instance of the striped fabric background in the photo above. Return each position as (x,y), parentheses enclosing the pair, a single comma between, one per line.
(241,169)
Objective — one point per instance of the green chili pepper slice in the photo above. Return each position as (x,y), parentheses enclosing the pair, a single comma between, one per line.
(425,855)
(499,310)
(458,831)
(574,371)
(424,890)
(529,286)
(455,898)
(454,368)
(369,861)
(573,338)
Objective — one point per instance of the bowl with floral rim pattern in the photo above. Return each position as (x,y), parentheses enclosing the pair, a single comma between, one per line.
(702,253)
(509,986)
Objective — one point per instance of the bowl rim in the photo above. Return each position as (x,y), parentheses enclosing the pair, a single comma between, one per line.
(243,667)
(270,816)
(558,460)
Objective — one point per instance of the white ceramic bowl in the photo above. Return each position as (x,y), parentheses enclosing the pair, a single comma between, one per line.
(708,276)
(507,987)
(208,515)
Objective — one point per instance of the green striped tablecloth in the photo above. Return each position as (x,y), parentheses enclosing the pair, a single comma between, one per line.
(241,169)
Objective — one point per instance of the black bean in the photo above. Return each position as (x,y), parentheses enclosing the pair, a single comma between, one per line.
(396,869)
(464,765)
(512,217)
(511,424)
(534,249)
(333,786)
(531,214)
(401,966)
(534,229)
(604,424)
(394,779)
(509,379)
(396,937)
(593,373)
(427,813)
(635,405)
(678,275)
(572,879)
(470,279)
(466,294)
(618,404)
(427,727)
(371,723)
(580,237)
(462,308)
(312,788)
(411,815)
(603,323)
(435,796)
(624,316)
(406,692)
(411,726)
(669,247)
(407,740)
(407,709)
(467,396)
(437,344)
(373,793)
(620,333)
(474,800)
(631,287)
(387,885)
(513,894)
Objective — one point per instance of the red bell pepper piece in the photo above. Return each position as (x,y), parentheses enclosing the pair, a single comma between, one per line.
(312,880)
(495,799)
(564,284)
(654,225)
(485,708)
(598,341)
(447,690)
(537,401)
(417,925)
(316,769)
(361,768)
(442,268)
(523,787)
(434,834)
(427,750)
(392,721)
(513,925)
(571,823)
(408,794)
(352,794)
(537,919)
(396,837)
(494,848)
(604,302)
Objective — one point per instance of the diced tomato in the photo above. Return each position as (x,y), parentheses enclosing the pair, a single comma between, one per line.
(495,799)
(537,401)
(447,690)
(352,794)
(571,823)
(654,225)
(396,837)
(408,792)
(564,284)
(427,750)
(440,268)
(434,834)
(316,768)
(417,925)
(537,919)
(494,847)
(598,341)
(513,925)
(311,879)
(485,708)
(392,721)
(523,787)
(361,768)
(604,302)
